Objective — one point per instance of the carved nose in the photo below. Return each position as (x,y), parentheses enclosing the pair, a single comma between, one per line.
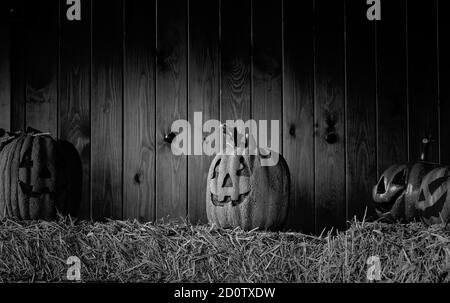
(227,182)
(381,189)
(45,173)
(422,196)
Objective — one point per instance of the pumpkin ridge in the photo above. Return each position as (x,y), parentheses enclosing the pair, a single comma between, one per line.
(6,178)
(25,176)
(48,208)
(13,173)
(3,153)
(435,209)
(2,198)
(36,151)
(236,213)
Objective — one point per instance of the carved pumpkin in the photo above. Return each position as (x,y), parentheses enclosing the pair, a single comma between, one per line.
(397,191)
(242,192)
(38,177)
(433,203)
(389,193)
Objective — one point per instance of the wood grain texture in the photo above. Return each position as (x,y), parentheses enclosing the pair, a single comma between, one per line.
(444,79)
(74,92)
(18,81)
(171,105)
(41,20)
(329,115)
(118,130)
(5,71)
(106,107)
(392,90)
(298,112)
(139,110)
(267,63)
(361,111)
(235,60)
(203,93)
(422,76)
(267,99)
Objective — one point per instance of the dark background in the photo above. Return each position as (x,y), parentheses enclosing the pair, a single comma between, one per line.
(113,83)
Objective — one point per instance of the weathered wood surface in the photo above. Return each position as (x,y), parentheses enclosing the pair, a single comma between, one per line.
(352,96)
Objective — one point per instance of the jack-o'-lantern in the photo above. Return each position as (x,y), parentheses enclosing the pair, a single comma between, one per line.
(243,192)
(389,193)
(36,177)
(396,194)
(433,203)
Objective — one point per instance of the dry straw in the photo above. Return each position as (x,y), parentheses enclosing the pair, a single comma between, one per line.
(128,251)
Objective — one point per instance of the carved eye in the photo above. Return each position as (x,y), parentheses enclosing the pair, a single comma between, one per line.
(421,196)
(381,189)
(433,186)
(399,178)
(243,169)
(216,170)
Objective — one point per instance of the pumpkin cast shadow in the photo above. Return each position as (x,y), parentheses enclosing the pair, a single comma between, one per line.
(70,199)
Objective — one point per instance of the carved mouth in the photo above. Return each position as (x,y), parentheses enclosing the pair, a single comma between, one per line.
(216,202)
(386,207)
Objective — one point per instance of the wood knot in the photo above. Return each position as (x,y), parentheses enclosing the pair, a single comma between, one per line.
(292,130)
(331,137)
(170,137)
(138,178)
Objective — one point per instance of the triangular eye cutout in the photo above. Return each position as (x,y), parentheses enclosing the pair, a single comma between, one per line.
(436,183)
(399,178)
(45,173)
(26,160)
(215,173)
(421,196)
(217,163)
(381,189)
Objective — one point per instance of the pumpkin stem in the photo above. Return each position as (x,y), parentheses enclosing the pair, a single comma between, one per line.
(227,130)
(426,141)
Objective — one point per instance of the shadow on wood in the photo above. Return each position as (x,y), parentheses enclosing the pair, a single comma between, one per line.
(69,200)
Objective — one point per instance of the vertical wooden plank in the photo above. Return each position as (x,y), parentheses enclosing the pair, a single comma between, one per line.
(235,60)
(422,76)
(203,92)
(171,103)
(267,67)
(41,65)
(5,73)
(444,79)
(392,89)
(329,115)
(74,91)
(18,84)
(267,63)
(139,110)
(361,105)
(298,111)
(106,109)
